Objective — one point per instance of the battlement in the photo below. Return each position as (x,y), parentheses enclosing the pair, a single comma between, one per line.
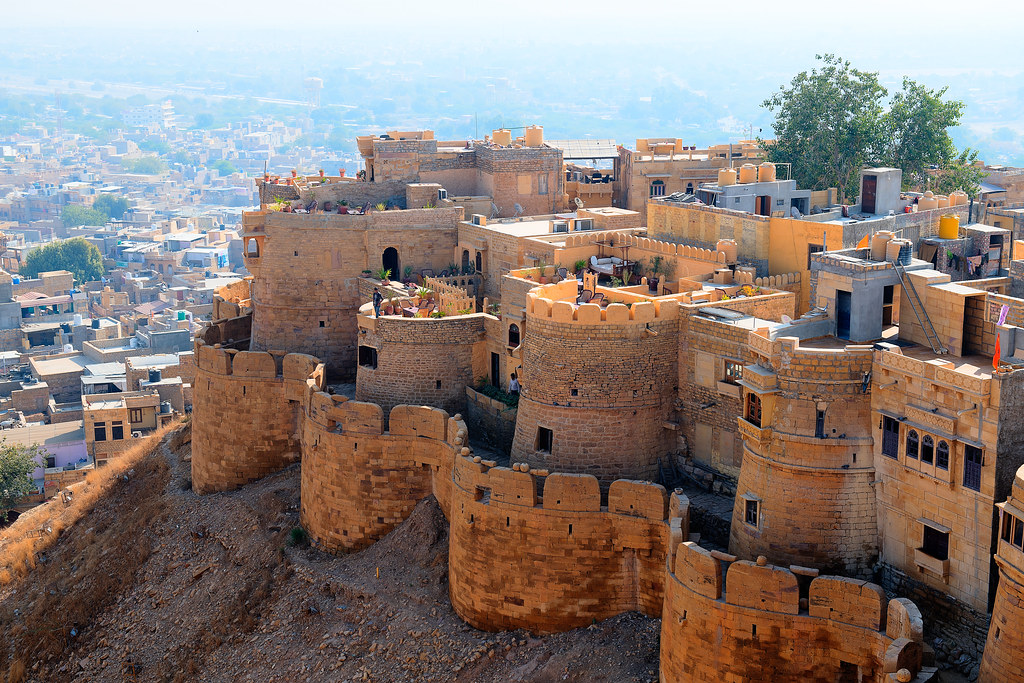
(233,300)
(217,360)
(531,549)
(936,370)
(763,611)
(550,301)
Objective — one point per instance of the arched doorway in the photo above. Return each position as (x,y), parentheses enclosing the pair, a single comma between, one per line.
(513,335)
(390,262)
(689,188)
(479,263)
(465,261)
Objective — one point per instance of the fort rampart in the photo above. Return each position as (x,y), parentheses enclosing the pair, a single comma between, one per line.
(607,386)
(249,407)
(767,623)
(360,481)
(544,552)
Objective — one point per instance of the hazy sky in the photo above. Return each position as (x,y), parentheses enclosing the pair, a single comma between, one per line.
(941,34)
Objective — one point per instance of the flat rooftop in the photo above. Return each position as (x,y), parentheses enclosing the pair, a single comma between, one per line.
(59,366)
(45,435)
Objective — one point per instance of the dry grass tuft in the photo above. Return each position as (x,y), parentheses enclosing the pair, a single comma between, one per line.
(16,672)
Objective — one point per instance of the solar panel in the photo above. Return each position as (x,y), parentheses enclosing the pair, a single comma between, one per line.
(586,149)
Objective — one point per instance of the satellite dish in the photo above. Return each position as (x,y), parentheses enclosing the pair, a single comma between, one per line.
(495,210)
(578,202)
(518,210)
(786,319)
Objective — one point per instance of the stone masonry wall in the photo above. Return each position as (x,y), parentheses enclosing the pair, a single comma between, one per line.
(540,552)
(247,408)
(768,624)
(305,294)
(421,361)
(358,481)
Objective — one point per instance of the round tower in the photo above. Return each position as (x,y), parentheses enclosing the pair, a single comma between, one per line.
(597,385)
(1001,660)
(805,493)
(418,361)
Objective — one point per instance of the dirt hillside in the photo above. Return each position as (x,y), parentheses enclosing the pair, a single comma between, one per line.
(158,583)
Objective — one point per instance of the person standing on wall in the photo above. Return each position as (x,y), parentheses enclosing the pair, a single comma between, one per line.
(377,299)
(513,385)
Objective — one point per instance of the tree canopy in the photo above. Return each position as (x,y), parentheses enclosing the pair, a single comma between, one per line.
(17,463)
(73,214)
(75,255)
(224,167)
(111,205)
(147,165)
(834,120)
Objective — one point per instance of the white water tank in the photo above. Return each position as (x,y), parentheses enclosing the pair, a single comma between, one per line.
(78,319)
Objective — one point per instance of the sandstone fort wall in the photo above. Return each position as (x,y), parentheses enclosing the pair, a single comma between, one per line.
(541,552)
(358,481)
(249,403)
(767,623)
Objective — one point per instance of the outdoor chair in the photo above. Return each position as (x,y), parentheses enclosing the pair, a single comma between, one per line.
(585,296)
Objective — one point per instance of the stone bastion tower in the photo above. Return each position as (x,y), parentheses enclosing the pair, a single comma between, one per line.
(1002,658)
(598,385)
(804,494)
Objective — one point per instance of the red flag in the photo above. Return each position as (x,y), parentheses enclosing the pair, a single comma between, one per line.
(995,358)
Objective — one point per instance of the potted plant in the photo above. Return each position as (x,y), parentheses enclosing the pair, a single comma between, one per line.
(407,275)
(384,275)
(656,269)
(424,293)
(343,206)
(579,266)
(380,206)
(541,269)
(367,272)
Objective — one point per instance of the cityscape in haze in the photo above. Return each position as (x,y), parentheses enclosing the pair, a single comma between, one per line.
(476,342)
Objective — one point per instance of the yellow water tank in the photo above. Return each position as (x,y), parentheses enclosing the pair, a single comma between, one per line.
(949,227)
(730,249)
(534,136)
(503,137)
(748,174)
(928,201)
(726,176)
(958,198)
(943,201)
(878,243)
(766,172)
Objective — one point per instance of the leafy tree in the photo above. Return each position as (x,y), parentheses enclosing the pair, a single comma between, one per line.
(145,165)
(914,129)
(80,215)
(224,167)
(76,255)
(832,121)
(959,173)
(113,207)
(17,463)
(184,158)
(826,124)
(155,145)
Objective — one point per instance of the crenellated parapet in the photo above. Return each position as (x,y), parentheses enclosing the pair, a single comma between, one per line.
(1001,660)
(548,552)
(247,407)
(360,481)
(765,622)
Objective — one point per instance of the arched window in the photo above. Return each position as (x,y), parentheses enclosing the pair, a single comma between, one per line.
(390,262)
(252,248)
(927,449)
(658,188)
(912,442)
(465,261)
(513,335)
(479,263)
(942,456)
(753,413)
(689,188)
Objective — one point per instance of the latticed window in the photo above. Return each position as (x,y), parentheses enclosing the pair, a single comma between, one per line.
(733,372)
(890,437)
(942,456)
(754,409)
(913,442)
(927,449)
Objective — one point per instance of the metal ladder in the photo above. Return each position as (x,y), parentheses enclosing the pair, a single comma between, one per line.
(919,310)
